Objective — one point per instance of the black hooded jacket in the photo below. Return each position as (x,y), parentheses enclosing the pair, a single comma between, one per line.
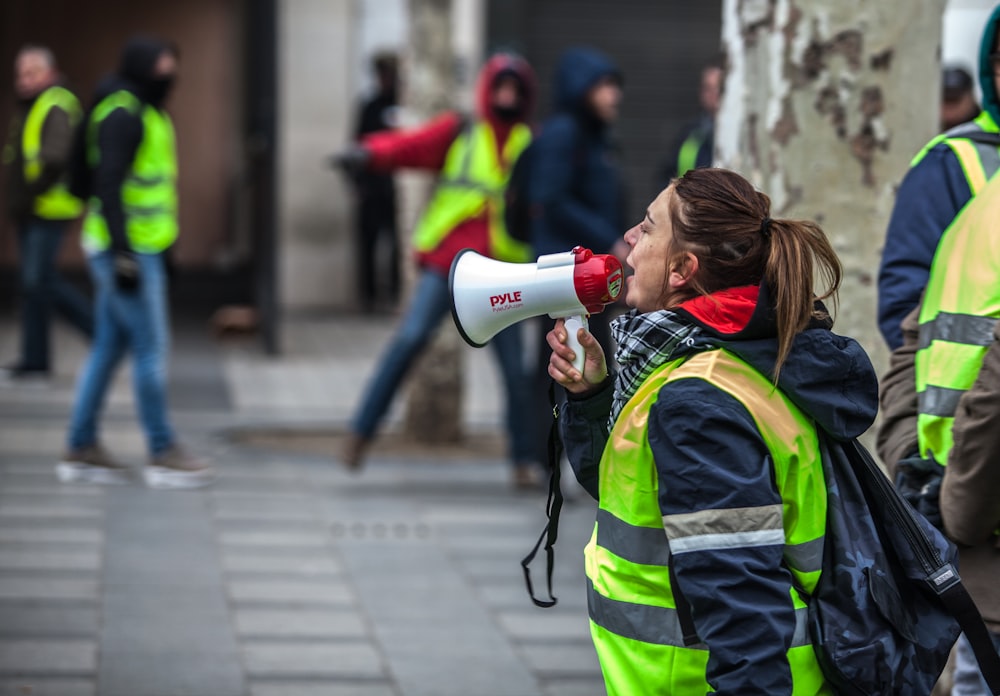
(120,134)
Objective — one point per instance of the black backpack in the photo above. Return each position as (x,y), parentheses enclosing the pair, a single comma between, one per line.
(519,211)
(889,604)
(78,172)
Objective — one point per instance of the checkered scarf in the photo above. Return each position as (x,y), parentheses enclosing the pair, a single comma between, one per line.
(645,342)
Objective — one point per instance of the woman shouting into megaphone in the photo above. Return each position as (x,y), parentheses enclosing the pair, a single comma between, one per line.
(702,450)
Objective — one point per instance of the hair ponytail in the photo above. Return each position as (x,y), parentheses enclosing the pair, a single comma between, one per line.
(799,254)
(721,218)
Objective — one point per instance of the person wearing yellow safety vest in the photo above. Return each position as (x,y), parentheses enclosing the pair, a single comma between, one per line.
(36,154)
(945,174)
(694,147)
(472,158)
(943,387)
(131,221)
(703,452)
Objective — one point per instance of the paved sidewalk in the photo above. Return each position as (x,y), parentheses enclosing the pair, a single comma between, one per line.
(289,577)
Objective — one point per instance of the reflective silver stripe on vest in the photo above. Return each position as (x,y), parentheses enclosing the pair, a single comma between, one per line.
(731,528)
(649,545)
(660,625)
(806,557)
(967,329)
(149,181)
(645,545)
(939,401)
(147,211)
(989,156)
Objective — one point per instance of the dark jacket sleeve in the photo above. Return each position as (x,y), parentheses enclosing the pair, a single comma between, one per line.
(583,425)
(897,432)
(118,140)
(970,491)
(932,193)
(57,138)
(716,486)
(567,219)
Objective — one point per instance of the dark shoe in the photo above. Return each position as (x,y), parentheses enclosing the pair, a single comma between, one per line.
(17,372)
(91,464)
(528,477)
(355,449)
(176,468)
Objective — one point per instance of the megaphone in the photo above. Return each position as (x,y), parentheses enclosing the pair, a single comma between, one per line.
(487,295)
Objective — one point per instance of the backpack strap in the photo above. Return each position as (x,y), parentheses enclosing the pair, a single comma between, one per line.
(684,617)
(942,576)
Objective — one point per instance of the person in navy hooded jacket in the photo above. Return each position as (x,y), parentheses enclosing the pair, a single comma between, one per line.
(577,187)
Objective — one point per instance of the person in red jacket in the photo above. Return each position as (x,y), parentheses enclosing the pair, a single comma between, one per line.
(472,156)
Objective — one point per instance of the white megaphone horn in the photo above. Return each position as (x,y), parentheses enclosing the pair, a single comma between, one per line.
(487,296)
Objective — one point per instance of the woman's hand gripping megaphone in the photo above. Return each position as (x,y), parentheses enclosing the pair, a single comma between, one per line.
(568,339)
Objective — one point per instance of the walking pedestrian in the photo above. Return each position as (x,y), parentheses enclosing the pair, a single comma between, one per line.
(703,451)
(472,157)
(950,170)
(696,142)
(131,222)
(36,155)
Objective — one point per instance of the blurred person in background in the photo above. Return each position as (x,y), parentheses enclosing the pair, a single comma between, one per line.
(958,98)
(695,145)
(131,222)
(375,192)
(36,154)
(472,157)
(944,176)
(578,191)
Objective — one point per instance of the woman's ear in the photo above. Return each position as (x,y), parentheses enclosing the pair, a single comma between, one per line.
(682,270)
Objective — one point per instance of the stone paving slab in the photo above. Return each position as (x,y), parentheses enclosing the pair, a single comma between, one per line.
(313,658)
(341,624)
(170,674)
(47,686)
(48,656)
(323,688)
(51,618)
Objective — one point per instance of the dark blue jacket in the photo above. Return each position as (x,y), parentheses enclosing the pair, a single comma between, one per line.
(576,184)
(711,456)
(932,193)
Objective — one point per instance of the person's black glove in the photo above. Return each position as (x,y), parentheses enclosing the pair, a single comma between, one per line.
(126,268)
(353,160)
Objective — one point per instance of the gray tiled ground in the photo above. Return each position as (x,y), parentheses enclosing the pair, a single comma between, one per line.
(289,577)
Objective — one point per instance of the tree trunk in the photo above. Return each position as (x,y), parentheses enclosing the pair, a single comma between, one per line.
(434,406)
(825,104)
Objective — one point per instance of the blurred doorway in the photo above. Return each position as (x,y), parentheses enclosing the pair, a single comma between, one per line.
(223,142)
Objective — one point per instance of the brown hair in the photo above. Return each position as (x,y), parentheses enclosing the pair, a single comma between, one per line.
(719,216)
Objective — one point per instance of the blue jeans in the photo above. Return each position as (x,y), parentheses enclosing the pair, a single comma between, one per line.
(136,322)
(430,304)
(43,289)
(967,680)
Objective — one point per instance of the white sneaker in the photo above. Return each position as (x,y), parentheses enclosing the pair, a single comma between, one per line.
(176,468)
(91,465)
